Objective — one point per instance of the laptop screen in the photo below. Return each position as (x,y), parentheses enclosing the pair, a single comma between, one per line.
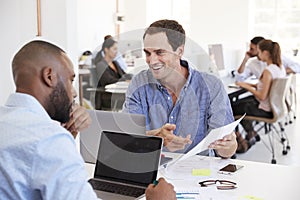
(128,158)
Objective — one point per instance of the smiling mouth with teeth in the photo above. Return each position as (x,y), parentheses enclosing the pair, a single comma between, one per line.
(156,67)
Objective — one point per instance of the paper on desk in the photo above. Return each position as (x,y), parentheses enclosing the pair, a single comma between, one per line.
(215,134)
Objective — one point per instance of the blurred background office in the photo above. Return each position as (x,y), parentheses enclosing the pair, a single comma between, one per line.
(79,25)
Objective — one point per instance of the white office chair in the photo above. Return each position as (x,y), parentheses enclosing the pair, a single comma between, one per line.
(291,101)
(278,94)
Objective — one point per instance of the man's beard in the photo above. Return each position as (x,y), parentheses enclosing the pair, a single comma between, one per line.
(61,103)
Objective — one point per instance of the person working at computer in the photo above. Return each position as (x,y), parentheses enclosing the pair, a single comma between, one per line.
(108,70)
(258,104)
(38,157)
(252,65)
(98,55)
(180,104)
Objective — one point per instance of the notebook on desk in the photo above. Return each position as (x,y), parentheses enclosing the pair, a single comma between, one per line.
(107,121)
(126,164)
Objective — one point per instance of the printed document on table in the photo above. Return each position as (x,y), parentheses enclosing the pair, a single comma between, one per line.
(215,134)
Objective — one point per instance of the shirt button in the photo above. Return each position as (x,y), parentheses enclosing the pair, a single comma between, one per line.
(169,98)
(172,117)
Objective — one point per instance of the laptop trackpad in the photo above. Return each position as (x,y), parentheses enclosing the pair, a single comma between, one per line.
(111,196)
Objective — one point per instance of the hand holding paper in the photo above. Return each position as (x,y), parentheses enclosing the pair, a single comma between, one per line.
(214,135)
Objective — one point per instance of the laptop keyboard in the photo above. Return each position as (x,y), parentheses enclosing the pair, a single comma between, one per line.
(116,188)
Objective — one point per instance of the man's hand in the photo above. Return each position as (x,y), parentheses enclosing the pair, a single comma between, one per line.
(171,141)
(225,147)
(162,191)
(79,120)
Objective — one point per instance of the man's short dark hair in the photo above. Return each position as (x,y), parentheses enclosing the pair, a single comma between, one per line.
(256,40)
(107,37)
(34,50)
(174,32)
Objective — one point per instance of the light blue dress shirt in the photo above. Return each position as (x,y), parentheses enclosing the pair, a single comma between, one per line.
(38,157)
(202,105)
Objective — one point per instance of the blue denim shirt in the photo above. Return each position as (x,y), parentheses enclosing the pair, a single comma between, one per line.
(202,105)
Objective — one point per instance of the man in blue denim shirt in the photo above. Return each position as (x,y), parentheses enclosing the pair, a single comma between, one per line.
(180,104)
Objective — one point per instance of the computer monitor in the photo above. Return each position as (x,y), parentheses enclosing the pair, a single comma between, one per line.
(216,54)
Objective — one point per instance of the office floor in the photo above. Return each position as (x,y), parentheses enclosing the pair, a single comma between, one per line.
(260,153)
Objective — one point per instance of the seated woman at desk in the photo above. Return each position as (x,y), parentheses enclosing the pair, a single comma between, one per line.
(258,104)
(108,70)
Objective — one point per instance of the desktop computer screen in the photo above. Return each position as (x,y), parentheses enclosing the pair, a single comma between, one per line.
(216,54)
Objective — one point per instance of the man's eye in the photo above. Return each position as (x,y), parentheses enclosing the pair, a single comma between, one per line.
(159,52)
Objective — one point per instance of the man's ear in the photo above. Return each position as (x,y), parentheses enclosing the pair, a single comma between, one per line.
(180,51)
(48,76)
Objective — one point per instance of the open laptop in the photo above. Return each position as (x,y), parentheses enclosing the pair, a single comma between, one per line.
(126,165)
(108,121)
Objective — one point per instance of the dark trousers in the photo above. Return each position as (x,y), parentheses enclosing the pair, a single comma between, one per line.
(249,105)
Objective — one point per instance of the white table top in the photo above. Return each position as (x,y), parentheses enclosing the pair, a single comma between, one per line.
(255,181)
(118,87)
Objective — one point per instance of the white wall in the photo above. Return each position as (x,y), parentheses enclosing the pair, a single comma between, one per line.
(135,15)
(95,20)
(224,22)
(18,22)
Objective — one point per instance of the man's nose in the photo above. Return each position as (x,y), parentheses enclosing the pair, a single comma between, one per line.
(152,59)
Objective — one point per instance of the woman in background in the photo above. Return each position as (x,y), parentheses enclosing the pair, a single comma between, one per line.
(109,70)
(259,104)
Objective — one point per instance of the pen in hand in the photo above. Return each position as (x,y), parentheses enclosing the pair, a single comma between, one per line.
(155,182)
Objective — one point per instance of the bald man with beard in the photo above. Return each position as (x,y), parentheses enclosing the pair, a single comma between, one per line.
(38,156)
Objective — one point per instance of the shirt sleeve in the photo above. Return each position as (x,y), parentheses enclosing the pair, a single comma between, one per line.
(220,112)
(243,76)
(292,64)
(133,102)
(121,61)
(58,170)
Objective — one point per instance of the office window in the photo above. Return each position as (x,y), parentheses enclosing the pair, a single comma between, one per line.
(277,20)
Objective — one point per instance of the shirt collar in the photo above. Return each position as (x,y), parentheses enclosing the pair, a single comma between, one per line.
(27,101)
(183,63)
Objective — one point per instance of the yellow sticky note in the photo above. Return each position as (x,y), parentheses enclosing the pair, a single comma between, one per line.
(201,172)
(249,197)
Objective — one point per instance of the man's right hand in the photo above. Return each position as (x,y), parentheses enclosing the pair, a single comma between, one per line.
(162,191)
(171,141)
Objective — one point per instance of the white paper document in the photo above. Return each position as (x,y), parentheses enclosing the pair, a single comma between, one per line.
(215,134)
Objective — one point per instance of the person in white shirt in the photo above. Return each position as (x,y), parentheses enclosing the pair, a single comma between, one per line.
(253,66)
(259,104)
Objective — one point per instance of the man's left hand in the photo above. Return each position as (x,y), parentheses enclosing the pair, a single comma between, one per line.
(226,146)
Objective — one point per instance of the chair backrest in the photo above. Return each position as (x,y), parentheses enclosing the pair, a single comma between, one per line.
(278,93)
(291,94)
(93,78)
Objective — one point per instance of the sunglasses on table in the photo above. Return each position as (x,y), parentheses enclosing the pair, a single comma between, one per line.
(221,184)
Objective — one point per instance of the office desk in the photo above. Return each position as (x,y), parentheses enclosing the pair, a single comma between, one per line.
(234,93)
(255,181)
(118,87)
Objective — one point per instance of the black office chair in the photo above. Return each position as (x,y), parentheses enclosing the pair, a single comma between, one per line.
(100,98)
